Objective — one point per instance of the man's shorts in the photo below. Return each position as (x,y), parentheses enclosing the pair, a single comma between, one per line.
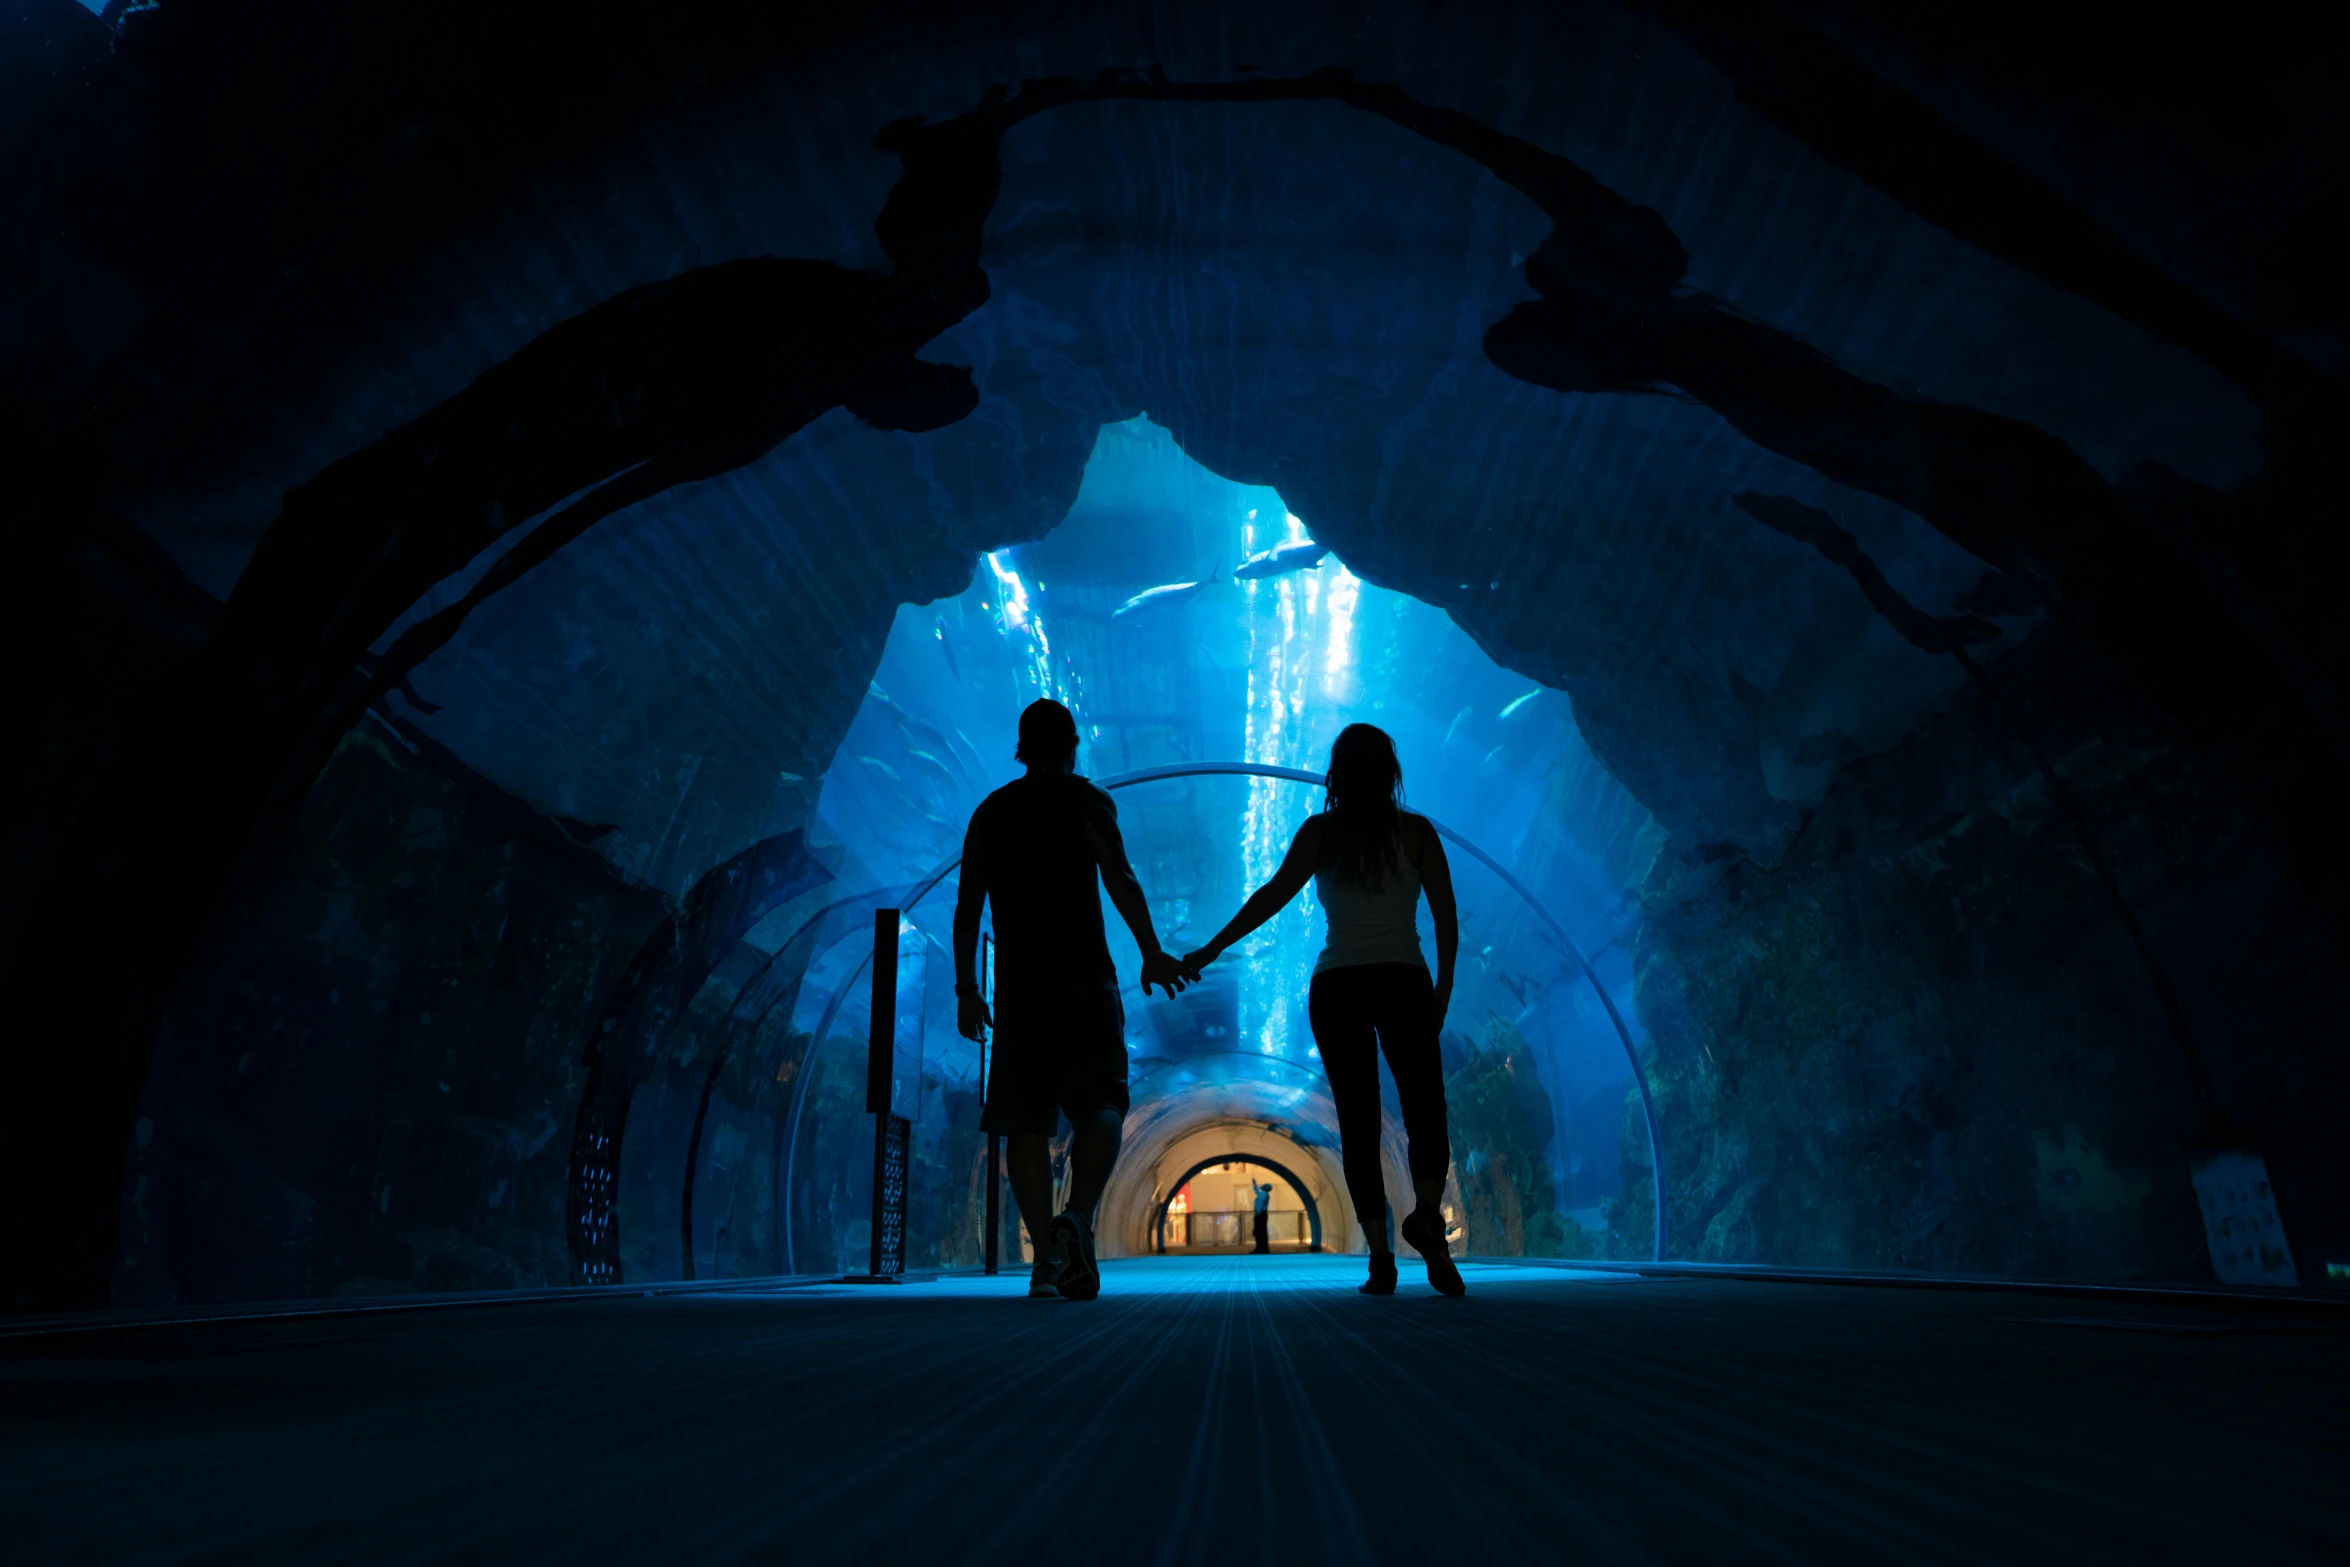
(1061,1052)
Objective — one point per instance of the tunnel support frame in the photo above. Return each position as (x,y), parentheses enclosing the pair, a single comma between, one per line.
(1656,1148)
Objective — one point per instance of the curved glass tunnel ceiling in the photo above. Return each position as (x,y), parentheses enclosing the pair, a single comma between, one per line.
(1263,671)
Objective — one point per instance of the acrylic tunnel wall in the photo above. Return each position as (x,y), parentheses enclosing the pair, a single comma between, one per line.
(573,538)
(1262,671)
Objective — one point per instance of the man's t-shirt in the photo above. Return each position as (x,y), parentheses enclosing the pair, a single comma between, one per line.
(1028,847)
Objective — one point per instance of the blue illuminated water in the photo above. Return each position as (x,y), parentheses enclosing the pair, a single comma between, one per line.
(1265,671)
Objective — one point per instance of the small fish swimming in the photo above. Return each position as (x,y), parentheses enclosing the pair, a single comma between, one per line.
(912,731)
(966,755)
(939,630)
(1171,593)
(1458,719)
(882,767)
(1510,711)
(931,767)
(915,734)
(1274,562)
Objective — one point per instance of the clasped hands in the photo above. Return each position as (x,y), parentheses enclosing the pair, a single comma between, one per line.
(1161,969)
(1196,959)
(1171,973)
(973,1018)
(1191,963)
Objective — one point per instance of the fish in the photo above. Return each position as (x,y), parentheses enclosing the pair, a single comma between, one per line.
(1511,711)
(967,756)
(881,767)
(1458,719)
(1171,593)
(939,630)
(915,734)
(912,731)
(1304,556)
(931,767)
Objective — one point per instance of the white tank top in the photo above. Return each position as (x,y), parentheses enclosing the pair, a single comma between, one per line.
(1371,925)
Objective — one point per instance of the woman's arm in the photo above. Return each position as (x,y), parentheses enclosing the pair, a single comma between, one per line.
(1436,881)
(1297,868)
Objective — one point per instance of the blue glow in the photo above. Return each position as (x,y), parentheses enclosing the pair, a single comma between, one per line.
(1266,669)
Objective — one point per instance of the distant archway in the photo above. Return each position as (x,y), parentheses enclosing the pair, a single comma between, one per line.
(1304,1192)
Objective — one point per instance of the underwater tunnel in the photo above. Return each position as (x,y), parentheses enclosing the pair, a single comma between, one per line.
(534,533)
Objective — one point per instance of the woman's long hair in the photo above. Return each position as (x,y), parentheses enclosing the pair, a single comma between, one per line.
(1363,800)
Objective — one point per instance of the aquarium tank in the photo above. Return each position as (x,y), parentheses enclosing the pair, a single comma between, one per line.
(535,532)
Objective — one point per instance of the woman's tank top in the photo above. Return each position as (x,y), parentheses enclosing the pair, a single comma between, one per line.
(1371,925)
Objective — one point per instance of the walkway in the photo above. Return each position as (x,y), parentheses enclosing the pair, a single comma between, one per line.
(1234,1410)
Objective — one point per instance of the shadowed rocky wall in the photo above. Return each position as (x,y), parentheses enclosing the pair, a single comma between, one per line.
(1917,1037)
(372,1088)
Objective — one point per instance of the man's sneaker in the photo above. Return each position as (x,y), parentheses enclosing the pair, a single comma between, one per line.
(1081,1275)
(1040,1277)
(1382,1279)
(1426,1233)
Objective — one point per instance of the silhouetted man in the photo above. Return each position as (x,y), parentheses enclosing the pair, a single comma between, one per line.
(1034,850)
(1263,1191)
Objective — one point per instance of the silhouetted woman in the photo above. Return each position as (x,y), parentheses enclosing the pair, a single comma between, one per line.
(1370,860)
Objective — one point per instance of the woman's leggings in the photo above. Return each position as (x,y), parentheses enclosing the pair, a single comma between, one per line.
(1357,1012)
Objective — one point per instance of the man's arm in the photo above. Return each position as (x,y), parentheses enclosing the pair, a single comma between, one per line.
(971,1017)
(1125,890)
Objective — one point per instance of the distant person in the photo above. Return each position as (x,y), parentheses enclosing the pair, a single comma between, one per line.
(1033,852)
(1370,860)
(1263,1216)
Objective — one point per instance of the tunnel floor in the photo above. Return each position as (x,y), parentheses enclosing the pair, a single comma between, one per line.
(1204,1410)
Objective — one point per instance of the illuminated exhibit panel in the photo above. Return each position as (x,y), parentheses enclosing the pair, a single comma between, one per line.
(1185,618)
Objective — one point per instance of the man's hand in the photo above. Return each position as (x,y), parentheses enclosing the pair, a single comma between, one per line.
(1196,960)
(972,1018)
(1443,1001)
(1161,969)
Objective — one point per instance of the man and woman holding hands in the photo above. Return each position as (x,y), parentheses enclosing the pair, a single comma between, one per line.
(1034,851)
